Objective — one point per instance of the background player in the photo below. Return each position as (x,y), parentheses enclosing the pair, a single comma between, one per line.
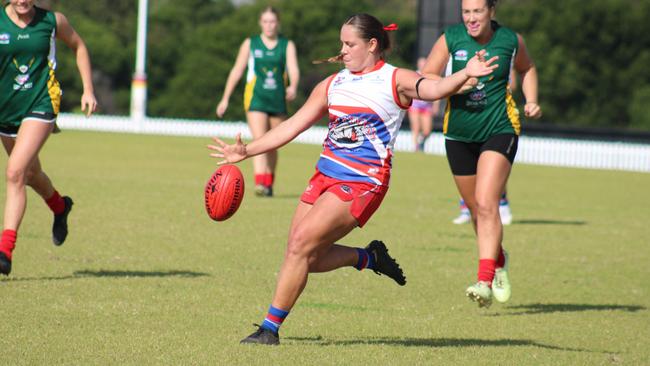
(29,103)
(267,55)
(481,127)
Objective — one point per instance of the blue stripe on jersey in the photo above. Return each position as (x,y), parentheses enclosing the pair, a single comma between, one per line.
(336,170)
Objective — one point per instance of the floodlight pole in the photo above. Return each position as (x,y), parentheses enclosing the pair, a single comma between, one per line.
(139,82)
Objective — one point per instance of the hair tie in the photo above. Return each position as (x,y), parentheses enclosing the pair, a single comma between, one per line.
(391,27)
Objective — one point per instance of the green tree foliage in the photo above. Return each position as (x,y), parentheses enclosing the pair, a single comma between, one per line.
(192,46)
(591,56)
(194,90)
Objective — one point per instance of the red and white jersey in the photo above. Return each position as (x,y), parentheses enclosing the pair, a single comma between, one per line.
(365,115)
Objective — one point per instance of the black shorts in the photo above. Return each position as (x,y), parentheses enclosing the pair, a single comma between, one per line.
(463,156)
(12,128)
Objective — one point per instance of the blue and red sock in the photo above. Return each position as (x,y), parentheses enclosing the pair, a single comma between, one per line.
(365,260)
(274,319)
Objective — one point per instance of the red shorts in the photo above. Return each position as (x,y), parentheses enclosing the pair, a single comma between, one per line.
(365,197)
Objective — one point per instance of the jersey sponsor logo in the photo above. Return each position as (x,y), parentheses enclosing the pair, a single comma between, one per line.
(378,79)
(5,38)
(339,80)
(477,95)
(270,53)
(258,53)
(460,55)
(346,189)
(477,99)
(22,36)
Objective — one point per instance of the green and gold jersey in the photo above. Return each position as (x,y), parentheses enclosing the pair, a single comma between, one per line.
(27,63)
(488,109)
(265,88)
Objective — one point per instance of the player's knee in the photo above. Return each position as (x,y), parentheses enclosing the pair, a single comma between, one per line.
(15,175)
(486,208)
(298,244)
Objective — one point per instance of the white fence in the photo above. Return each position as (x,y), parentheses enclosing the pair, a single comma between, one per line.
(532,150)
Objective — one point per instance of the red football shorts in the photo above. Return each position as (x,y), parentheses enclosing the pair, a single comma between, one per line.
(365,197)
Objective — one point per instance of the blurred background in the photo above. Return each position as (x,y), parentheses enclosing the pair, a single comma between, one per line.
(592,57)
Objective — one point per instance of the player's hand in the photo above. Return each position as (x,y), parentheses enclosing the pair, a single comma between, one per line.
(477,66)
(230,153)
(532,110)
(221,108)
(291,93)
(88,104)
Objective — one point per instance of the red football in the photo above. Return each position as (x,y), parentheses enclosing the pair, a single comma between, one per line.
(224,192)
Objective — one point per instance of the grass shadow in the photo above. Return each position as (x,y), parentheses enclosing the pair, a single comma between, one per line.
(532,309)
(549,222)
(106,273)
(432,342)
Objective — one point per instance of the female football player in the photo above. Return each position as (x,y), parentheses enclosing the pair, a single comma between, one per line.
(267,55)
(365,102)
(29,104)
(482,130)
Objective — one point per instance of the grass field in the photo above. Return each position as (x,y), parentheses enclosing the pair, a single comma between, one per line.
(147,278)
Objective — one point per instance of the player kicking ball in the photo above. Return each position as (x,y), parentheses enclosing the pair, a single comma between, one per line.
(366,103)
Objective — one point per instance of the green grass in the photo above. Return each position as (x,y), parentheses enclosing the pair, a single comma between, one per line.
(147,278)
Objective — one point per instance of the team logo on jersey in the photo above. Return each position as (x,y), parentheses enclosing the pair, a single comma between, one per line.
(22,79)
(22,82)
(346,132)
(269,82)
(460,55)
(4,38)
(258,53)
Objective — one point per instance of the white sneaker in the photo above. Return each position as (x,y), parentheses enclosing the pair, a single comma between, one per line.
(506,214)
(463,218)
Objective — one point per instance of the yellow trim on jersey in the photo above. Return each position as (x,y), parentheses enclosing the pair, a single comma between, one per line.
(54,90)
(445,124)
(513,112)
(248,93)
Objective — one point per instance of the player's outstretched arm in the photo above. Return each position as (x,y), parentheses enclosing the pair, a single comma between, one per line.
(313,109)
(410,85)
